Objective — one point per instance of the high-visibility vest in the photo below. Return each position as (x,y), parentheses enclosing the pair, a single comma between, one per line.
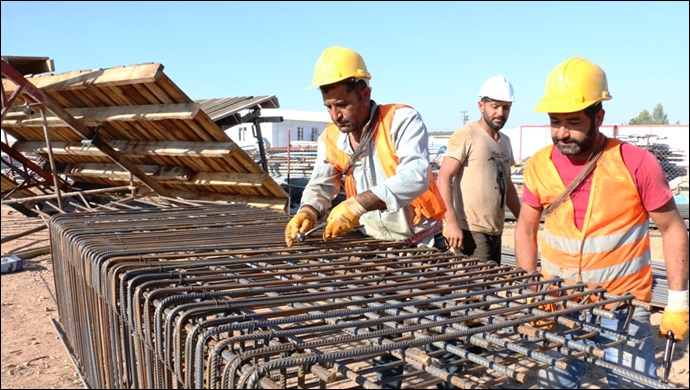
(612,250)
(430,204)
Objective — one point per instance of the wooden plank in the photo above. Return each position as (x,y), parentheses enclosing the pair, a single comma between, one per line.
(152,148)
(30,65)
(145,93)
(9,184)
(89,97)
(214,132)
(228,179)
(115,171)
(172,89)
(159,93)
(96,116)
(143,73)
(77,126)
(273,203)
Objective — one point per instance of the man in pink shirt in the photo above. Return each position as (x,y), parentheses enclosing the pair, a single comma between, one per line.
(598,195)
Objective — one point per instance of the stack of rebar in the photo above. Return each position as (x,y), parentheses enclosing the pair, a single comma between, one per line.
(210,297)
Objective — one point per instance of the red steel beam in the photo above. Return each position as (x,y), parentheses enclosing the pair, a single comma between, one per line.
(47,176)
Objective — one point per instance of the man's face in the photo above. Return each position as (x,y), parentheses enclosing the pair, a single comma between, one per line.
(348,110)
(495,113)
(574,133)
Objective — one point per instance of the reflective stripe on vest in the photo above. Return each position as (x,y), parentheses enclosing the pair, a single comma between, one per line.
(607,274)
(612,250)
(596,244)
(429,204)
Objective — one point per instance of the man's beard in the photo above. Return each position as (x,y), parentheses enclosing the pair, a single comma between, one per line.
(491,124)
(577,147)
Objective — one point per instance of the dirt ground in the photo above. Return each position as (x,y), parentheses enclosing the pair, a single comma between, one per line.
(33,353)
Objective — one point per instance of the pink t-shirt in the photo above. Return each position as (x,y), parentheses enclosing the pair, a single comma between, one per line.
(643,167)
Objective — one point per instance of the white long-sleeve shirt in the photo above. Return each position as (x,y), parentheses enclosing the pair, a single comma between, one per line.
(410,138)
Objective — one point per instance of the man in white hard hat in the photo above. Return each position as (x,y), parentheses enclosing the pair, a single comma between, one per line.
(474,178)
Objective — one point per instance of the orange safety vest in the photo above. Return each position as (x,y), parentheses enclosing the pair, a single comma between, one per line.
(430,204)
(612,250)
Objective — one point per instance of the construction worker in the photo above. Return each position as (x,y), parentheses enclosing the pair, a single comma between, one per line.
(382,153)
(474,178)
(380,150)
(598,232)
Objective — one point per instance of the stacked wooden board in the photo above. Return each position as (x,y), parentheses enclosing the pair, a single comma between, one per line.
(147,119)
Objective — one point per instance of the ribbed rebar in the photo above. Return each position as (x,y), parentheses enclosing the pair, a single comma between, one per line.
(210,297)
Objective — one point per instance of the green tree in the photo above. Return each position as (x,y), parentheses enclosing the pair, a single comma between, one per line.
(657,117)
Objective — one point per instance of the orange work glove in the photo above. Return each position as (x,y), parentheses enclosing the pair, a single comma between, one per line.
(675,316)
(544,323)
(343,218)
(302,222)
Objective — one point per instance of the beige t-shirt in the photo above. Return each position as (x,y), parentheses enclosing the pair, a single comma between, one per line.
(479,189)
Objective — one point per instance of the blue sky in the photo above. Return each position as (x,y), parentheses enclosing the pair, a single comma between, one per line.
(431,55)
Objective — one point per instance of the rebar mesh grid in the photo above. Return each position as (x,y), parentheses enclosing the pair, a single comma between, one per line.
(210,297)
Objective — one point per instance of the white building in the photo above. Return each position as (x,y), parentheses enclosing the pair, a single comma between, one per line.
(527,139)
(297,127)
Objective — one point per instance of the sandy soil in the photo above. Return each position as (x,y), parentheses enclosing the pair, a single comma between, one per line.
(33,355)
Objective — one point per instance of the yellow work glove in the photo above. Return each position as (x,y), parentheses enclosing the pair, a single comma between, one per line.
(302,222)
(675,316)
(544,323)
(343,218)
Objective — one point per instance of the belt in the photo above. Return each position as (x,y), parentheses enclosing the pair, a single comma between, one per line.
(435,228)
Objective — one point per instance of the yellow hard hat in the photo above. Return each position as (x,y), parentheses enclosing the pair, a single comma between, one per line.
(336,64)
(574,85)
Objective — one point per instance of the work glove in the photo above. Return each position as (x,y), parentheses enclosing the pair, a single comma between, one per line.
(343,218)
(675,317)
(544,323)
(302,222)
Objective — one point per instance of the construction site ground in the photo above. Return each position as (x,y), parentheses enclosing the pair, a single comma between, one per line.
(34,355)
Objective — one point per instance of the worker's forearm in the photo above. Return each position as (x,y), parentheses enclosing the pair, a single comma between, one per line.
(446,192)
(675,249)
(513,202)
(449,218)
(525,248)
(370,201)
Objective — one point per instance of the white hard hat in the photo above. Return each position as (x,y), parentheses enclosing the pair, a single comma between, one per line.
(497,88)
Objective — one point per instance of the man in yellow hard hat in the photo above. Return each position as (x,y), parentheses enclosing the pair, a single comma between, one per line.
(381,152)
(598,195)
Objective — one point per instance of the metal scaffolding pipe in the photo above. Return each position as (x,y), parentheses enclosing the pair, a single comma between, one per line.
(75,193)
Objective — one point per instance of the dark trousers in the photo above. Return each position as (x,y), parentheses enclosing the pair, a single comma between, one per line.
(481,245)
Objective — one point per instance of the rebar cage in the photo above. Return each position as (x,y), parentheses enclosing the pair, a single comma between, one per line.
(210,297)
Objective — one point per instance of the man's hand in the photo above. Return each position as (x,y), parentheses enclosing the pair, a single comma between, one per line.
(675,316)
(453,235)
(343,218)
(303,221)
(676,322)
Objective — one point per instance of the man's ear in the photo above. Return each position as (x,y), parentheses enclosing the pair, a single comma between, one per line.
(600,117)
(366,93)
